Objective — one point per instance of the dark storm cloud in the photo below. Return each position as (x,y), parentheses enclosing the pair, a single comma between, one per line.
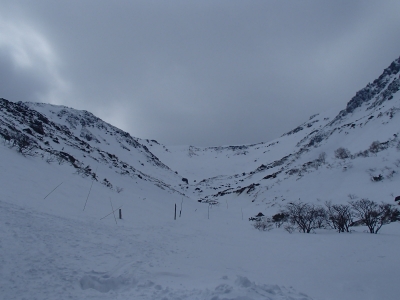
(203,72)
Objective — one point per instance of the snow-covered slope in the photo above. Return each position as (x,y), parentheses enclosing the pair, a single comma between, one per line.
(58,134)
(63,172)
(259,172)
(50,248)
(297,164)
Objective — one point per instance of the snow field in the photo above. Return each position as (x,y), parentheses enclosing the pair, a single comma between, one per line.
(52,249)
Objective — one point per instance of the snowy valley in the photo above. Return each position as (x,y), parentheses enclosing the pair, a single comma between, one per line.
(66,174)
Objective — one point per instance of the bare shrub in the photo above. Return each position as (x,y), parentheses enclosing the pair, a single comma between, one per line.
(342,153)
(264,224)
(60,159)
(280,218)
(321,217)
(352,196)
(24,145)
(322,158)
(306,216)
(364,153)
(375,147)
(374,215)
(289,228)
(50,158)
(118,189)
(340,216)
(83,171)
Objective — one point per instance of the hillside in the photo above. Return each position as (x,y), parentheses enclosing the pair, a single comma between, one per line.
(290,166)
(65,174)
(263,171)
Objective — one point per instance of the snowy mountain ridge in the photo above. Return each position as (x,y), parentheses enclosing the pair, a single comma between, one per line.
(80,139)
(183,232)
(371,116)
(213,172)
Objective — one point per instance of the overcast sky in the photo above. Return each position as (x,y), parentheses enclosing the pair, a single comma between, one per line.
(204,73)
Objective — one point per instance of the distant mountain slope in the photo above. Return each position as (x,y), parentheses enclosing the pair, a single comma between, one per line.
(292,166)
(58,133)
(269,170)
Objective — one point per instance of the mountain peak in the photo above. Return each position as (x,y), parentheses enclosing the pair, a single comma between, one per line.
(385,85)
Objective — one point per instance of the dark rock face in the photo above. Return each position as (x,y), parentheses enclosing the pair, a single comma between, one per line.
(372,89)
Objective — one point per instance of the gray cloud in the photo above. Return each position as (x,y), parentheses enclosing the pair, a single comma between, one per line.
(201,72)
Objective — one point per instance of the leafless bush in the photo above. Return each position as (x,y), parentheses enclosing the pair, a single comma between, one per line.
(289,228)
(265,224)
(340,217)
(374,215)
(375,147)
(23,144)
(352,196)
(321,217)
(342,153)
(305,216)
(280,218)
(364,153)
(60,159)
(85,171)
(118,189)
(322,158)
(50,158)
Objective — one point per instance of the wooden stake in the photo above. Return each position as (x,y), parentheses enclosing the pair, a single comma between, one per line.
(175,212)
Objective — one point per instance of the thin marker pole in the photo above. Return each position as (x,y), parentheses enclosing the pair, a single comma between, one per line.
(89,191)
(53,190)
(88,195)
(113,212)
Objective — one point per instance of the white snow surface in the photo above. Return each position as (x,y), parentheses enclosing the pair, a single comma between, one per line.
(50,248)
